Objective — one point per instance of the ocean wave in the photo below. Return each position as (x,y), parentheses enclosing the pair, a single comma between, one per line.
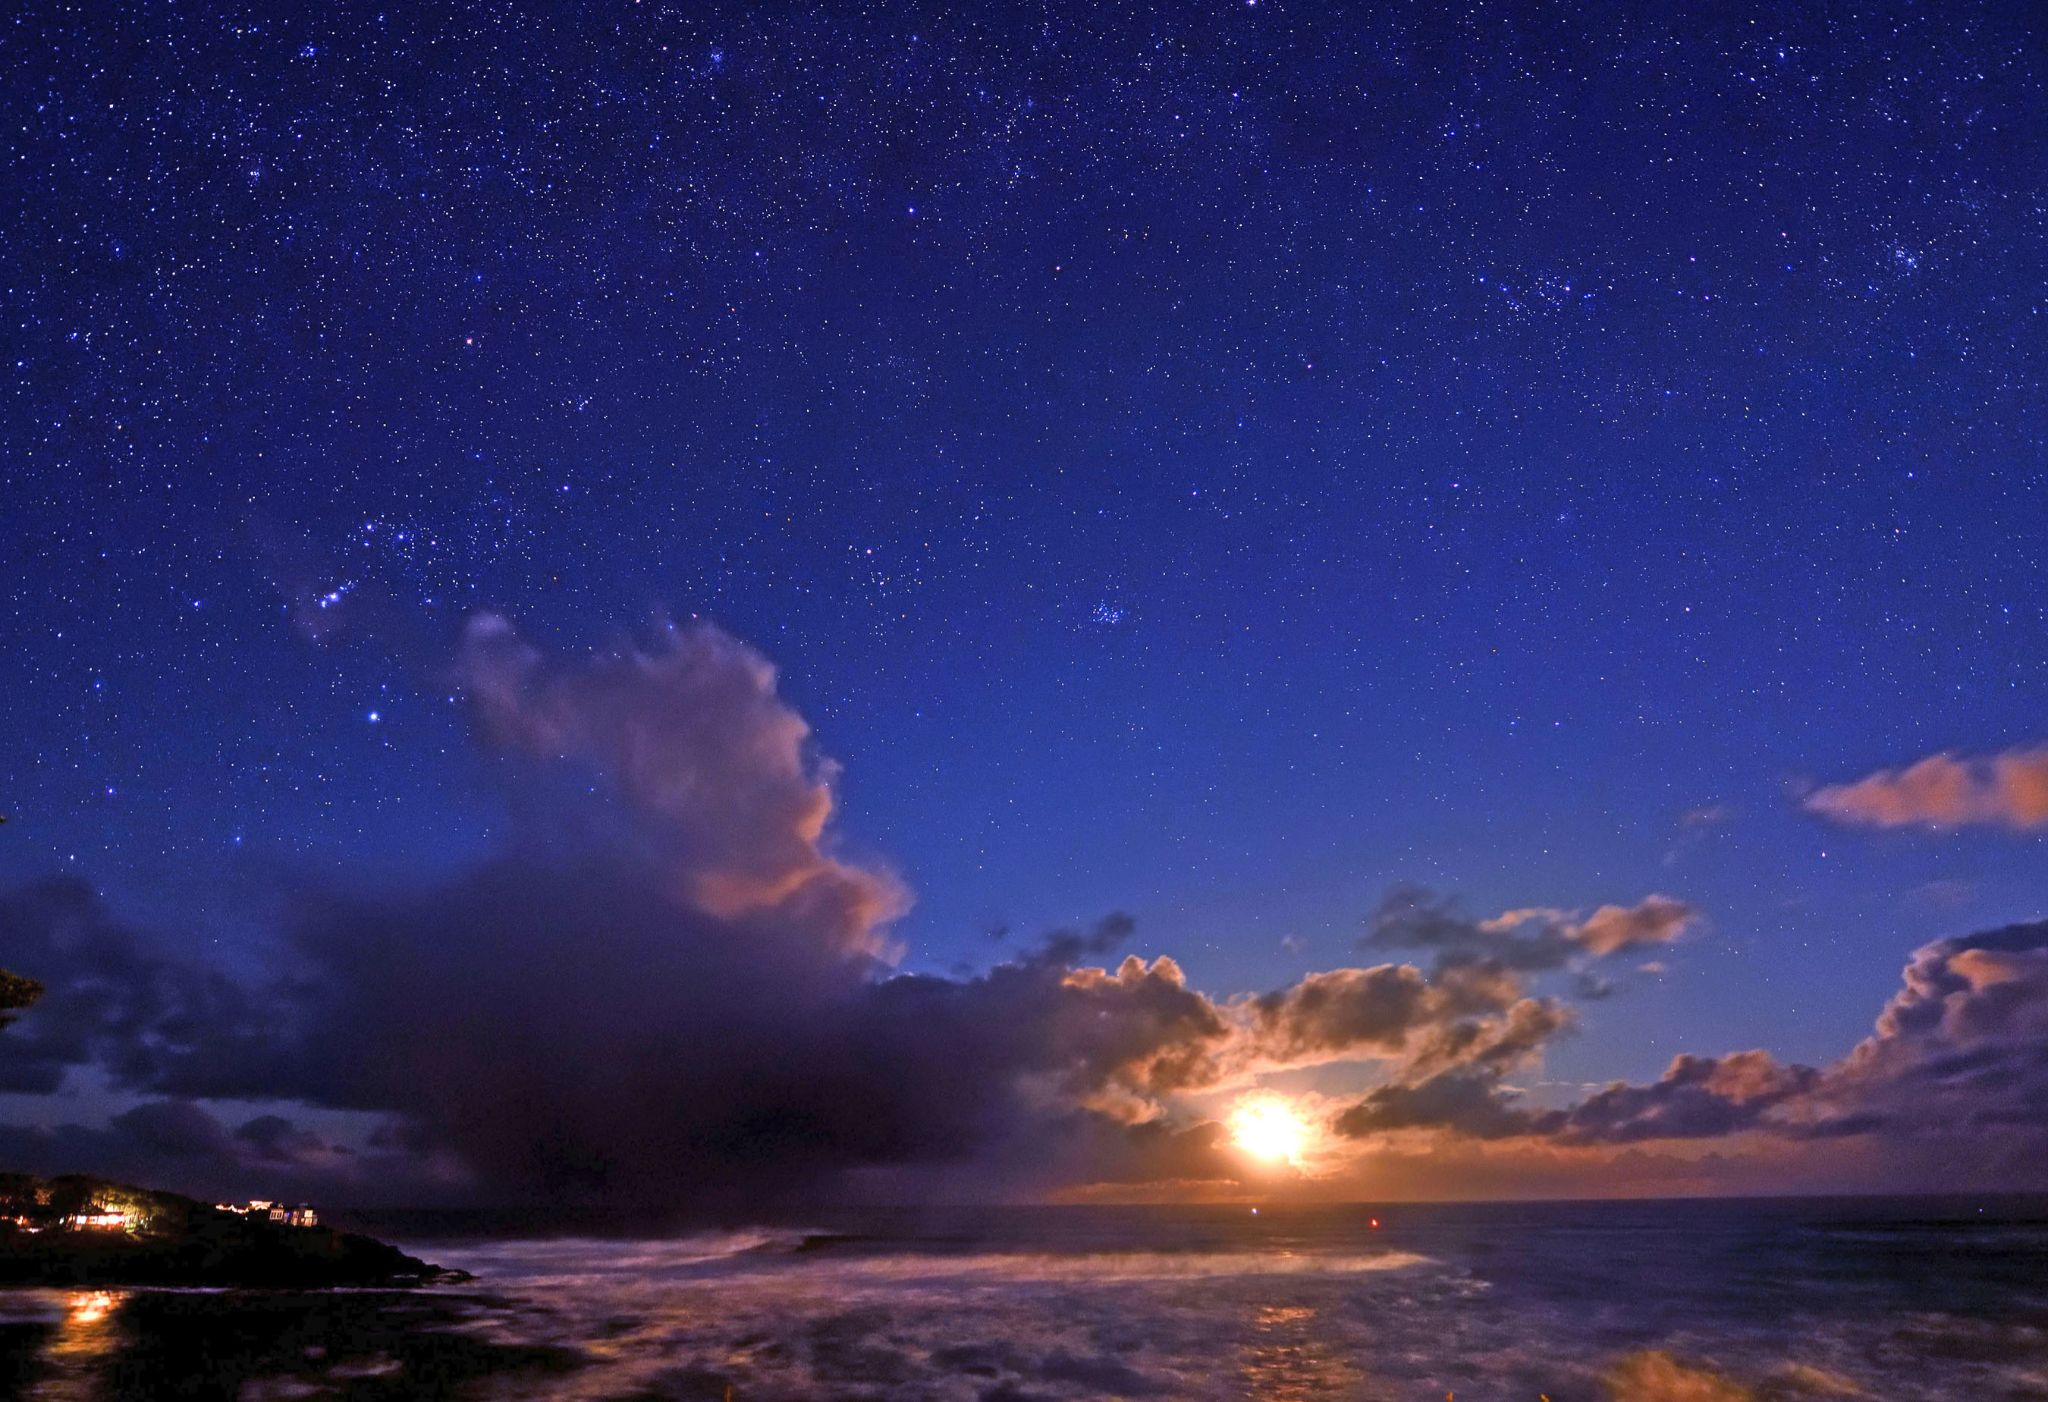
(571,1257)
(579,1259)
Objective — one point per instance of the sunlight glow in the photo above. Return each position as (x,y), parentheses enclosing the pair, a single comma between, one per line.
(1268,1127)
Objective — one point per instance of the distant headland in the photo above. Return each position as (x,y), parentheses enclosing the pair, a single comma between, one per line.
(75,1230)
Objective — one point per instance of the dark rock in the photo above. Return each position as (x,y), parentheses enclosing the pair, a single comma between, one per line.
(178,1241)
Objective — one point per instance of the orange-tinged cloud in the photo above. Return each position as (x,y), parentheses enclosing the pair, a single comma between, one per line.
(1612,928)
(1945,790)
(716,766)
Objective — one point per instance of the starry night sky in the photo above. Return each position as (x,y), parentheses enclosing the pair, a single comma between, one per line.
(1214,462)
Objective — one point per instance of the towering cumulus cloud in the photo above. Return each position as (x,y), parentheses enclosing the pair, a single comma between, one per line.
(1944,790)
(711,762)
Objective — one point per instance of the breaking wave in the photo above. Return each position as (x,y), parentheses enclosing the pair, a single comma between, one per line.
(1735,1302)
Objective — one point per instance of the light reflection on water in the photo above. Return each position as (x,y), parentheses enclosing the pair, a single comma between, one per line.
(88,1335)
(1287,1360)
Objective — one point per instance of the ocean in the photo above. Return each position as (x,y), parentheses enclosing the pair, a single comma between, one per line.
(1692,1301)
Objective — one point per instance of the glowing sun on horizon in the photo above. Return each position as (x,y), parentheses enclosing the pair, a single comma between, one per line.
(1267,1127)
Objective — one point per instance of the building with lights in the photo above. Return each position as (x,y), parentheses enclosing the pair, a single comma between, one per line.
(98,1218)
(302,1215)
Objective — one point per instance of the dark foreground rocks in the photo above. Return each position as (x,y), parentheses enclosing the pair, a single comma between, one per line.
(171,1240)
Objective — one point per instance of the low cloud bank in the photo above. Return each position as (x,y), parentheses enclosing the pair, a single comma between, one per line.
(1956,1058)
(673,988)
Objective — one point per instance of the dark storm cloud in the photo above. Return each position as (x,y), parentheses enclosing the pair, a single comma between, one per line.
(275,1139)
(572,1030)
(177,1144)
(567,1027)
(112,995)
(1531,940)
(70,1148)
(175,1129)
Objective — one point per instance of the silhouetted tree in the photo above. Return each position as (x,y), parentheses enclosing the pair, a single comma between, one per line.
(16,993)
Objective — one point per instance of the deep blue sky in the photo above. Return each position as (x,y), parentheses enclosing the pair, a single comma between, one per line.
(1216,462)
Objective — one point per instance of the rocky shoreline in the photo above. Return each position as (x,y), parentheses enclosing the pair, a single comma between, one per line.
(165,1239)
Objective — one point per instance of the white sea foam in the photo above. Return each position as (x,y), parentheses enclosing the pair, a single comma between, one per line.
(577,1259)
(854,1319)
(573,1258)
(1599,1304)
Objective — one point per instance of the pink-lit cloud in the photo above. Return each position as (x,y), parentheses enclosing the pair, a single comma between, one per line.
(1945,791)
